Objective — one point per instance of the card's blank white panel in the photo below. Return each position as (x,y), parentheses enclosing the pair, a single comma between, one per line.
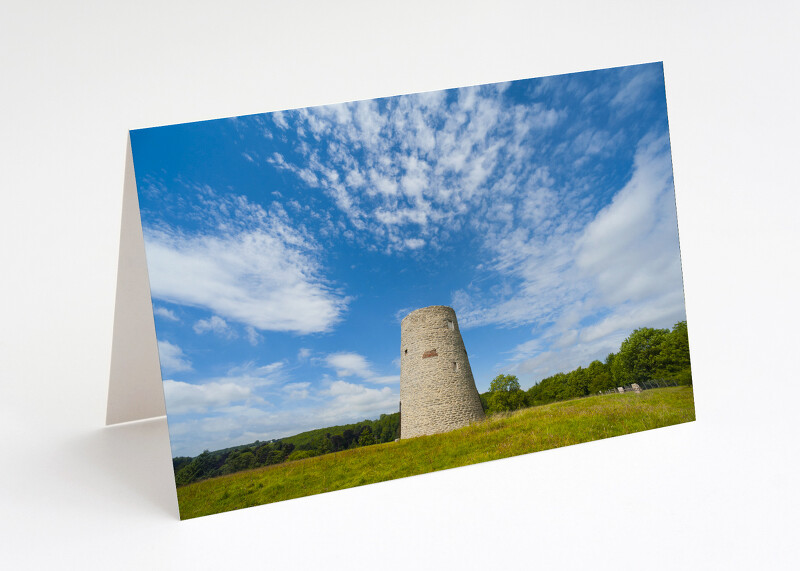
(134,390)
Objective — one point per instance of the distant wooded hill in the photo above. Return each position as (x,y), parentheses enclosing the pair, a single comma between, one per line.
(303,445)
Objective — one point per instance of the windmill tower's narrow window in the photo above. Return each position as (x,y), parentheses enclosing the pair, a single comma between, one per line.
(455,366)
(405,352)
(450,325)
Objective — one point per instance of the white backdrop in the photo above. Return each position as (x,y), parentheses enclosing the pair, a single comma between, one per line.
(718,493)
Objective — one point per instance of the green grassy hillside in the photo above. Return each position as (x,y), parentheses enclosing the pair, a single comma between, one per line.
(528,430)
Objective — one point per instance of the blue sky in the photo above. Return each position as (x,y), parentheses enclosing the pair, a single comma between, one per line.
(284,248)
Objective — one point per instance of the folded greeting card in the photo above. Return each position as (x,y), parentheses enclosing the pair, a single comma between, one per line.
(347,294)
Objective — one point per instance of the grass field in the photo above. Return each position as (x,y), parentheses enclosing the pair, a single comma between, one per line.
(529,430)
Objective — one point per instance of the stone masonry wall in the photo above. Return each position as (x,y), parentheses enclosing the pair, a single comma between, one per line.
(437,390)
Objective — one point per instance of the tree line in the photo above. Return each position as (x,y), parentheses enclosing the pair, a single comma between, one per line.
(646,354)
(304,445)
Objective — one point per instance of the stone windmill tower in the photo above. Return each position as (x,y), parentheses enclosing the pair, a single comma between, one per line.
(437,390)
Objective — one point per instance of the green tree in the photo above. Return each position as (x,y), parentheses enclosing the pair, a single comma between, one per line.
(674,361)
(506,383)
(599,377)
(553,388)
(203,466)
(533,395)
(505,394)
(300,454)
(238,461)
(324,446)
(366,437)
(262,453)
(639,357)
(385,428)
(577,383)
(337,443)
(179,462)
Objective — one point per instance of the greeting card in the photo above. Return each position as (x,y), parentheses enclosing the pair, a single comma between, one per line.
(352,293)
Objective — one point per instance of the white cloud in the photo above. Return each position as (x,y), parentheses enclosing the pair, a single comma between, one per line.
(349,364)
(632,93)
(166,313)
(172,358)
(183,398)
(216,325)
(256,270)
(631,247)
(385,380)
(296,391)
(280,120)
(214,395)
(303,354)
(416,160)
(354,401)
(253,337)
(252,375)
(355,365)
(526,349)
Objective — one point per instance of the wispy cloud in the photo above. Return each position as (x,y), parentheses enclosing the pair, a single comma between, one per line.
(352,400)
(253,336)
(216,325)
(172,358)
(630,248)
(349,364)
(296,391)
(241,383)
(183,397)
(355,365)
(167,314)
(253,268)
(252,375)
(399,168)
